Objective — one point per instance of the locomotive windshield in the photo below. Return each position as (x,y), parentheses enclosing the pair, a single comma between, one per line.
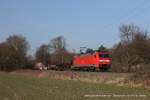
(104,55)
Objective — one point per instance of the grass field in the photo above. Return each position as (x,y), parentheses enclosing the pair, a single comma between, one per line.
(20,87)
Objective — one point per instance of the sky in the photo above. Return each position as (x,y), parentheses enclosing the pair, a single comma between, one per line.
(88,23)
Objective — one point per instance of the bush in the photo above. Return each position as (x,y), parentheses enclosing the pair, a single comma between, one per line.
(132,51)
(143,72)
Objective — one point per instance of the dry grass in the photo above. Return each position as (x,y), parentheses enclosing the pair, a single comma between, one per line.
(31,87)
(119,79)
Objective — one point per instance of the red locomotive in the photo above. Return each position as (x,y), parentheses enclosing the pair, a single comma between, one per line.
(96,60)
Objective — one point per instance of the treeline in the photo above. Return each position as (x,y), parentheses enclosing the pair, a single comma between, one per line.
(54,53)
(131,54)
(14,53)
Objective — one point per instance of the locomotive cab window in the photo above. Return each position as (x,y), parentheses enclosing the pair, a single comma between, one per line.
(104,55)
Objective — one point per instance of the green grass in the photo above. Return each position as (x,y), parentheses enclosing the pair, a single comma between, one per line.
(19,87)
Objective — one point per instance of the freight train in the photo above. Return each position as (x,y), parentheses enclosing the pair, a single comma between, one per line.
(95,61)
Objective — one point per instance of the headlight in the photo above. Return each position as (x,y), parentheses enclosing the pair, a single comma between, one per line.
(104,60)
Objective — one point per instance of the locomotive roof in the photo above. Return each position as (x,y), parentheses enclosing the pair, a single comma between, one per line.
(103,52)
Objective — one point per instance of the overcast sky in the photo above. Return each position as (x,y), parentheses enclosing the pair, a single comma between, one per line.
(87,23)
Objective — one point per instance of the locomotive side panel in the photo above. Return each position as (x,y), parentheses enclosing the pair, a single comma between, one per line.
(96,60)
(86,61)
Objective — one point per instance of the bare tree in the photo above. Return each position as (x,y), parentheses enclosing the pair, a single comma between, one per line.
(132,49)
(43,55)
(20,46)
(14,52)
(58,46)
(19,43)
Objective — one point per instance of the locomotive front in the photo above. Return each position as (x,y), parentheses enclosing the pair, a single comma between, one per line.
(104,61)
